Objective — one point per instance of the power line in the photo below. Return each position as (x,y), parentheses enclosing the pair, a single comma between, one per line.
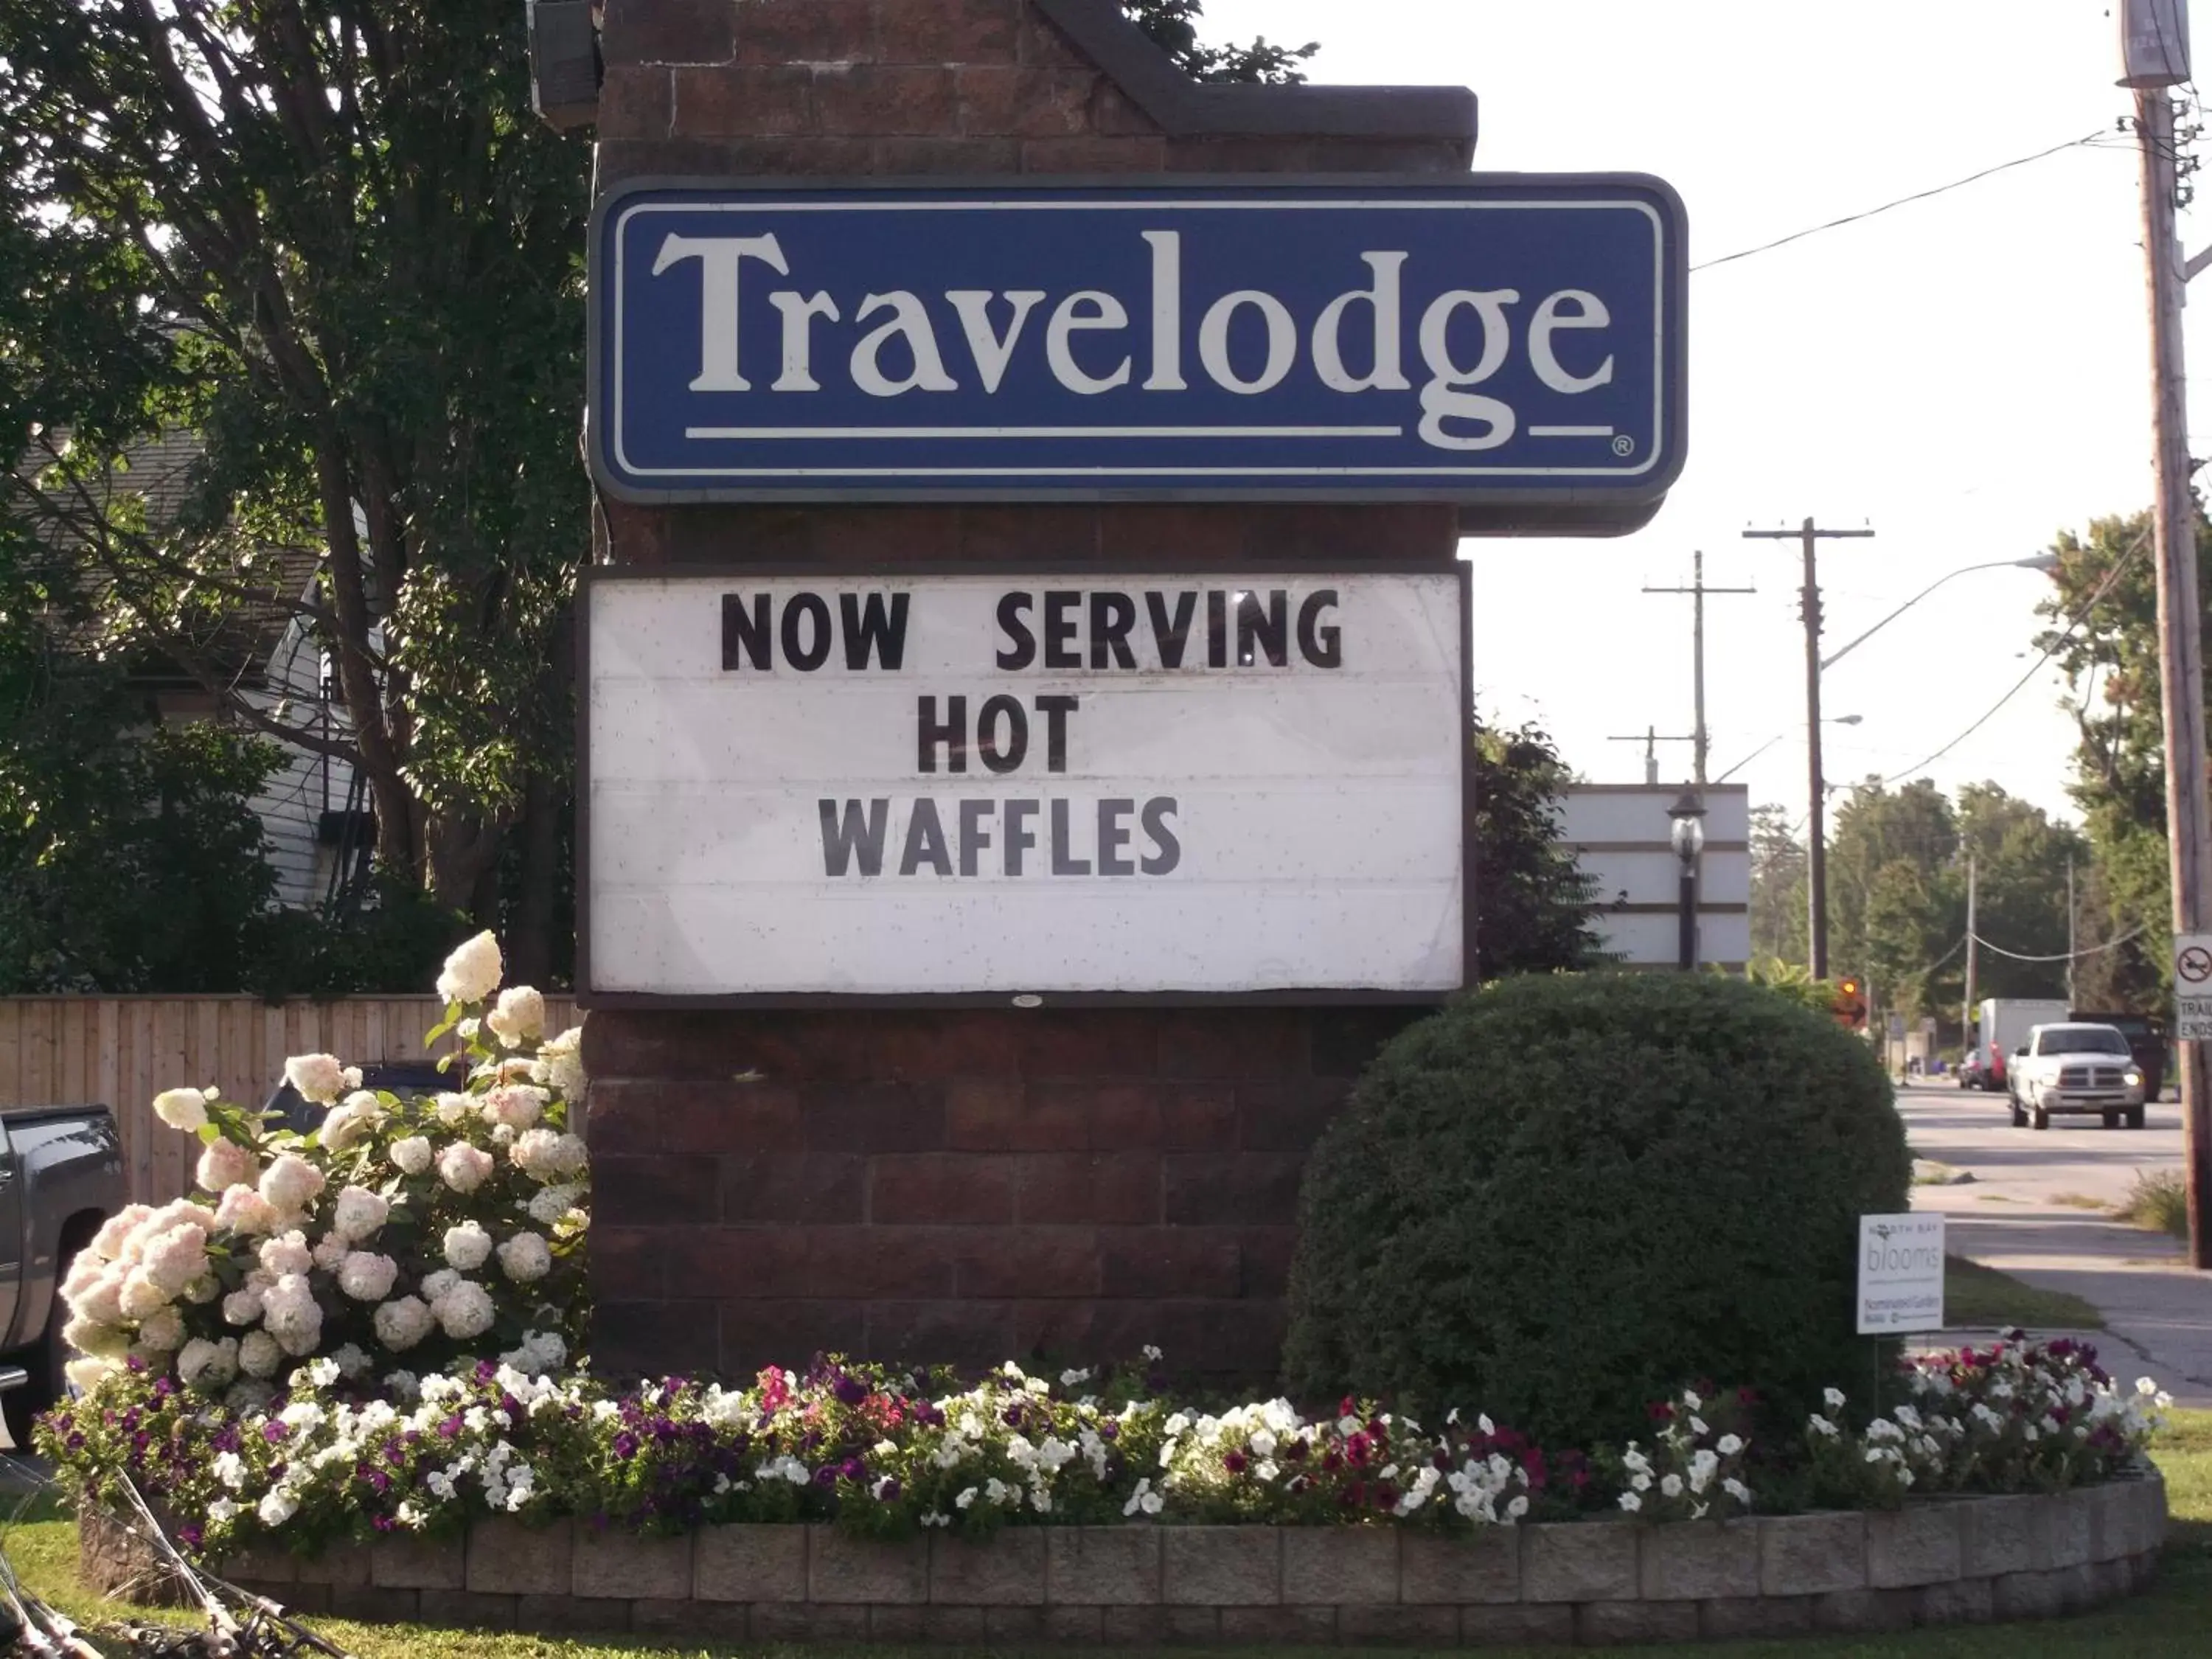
(2063,956)
(2035,668)
(2086,140)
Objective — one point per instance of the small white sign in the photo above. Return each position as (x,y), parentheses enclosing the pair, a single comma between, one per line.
(1900,1274)
(2192,986)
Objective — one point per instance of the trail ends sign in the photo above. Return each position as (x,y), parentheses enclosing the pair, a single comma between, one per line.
(1513,339)
(1025,784)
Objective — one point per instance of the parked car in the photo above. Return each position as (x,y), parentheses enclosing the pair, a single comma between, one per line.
(398,1077)
(2076,1068)
(61,1177)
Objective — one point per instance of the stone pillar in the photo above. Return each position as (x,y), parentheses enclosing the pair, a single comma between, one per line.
(972,1185)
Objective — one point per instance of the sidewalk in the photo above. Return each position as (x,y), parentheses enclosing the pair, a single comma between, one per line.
(2157,1310)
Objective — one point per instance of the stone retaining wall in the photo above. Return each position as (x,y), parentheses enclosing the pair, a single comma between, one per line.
(1937,1562)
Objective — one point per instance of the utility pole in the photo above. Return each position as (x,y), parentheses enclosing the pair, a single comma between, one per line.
(1816,834)
(2073,952)
(2181,646)
(1696,590)
(1651,739)
(1967,1024)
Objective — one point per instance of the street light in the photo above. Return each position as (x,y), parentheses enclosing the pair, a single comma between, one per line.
(1688,839)
(2043,562)
(1835,720)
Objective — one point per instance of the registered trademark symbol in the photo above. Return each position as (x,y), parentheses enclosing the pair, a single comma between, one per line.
(1623,445)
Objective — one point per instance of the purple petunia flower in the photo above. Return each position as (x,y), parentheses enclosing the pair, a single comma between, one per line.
(625,1445)
(849,1389)
(274,1432)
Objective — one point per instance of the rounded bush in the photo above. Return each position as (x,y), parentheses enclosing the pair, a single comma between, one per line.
(1561,1198)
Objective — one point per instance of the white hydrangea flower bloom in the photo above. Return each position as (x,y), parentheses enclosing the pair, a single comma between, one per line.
(224,1164)
(514,1106)
(358,1214)
(472,972)
(243,1210)
(403,1322)
(182,1108)
(412,1155)
(366,1277)
(318,1079)
(467,1247)
(258,1355)
(465,1168)
(519,1018)
(287,1254)
(525,1258)
(563,1059)
(290,1183)
(87,1374)
(142,1297)
(453,1108)
(176,1258)
(466,1312)
(207,1365)
(164,1333)
(101,1341)
(289,1310)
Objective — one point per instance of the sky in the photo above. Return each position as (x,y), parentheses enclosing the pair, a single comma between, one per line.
(1966,374)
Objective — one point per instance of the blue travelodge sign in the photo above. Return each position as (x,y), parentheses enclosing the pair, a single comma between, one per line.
(1515,340)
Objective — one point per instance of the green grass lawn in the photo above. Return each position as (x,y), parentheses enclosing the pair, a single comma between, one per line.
(1976,1298)
(2173,1621)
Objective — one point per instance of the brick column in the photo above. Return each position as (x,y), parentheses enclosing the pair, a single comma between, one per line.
(969,1186)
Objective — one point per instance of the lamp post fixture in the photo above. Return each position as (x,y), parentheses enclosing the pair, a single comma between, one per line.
(1688,839)
(2043,562)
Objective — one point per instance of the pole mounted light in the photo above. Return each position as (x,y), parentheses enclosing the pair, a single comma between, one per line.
(1687,837)
(2043,562)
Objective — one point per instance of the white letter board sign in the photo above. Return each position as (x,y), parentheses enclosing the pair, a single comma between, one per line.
(1076,785)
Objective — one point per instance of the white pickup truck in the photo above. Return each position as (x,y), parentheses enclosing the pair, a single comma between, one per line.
(2075,1068)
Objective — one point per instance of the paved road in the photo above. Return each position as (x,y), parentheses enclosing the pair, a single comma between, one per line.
(2010,1216)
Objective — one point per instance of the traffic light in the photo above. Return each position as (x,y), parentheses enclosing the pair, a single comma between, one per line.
(1851,1005)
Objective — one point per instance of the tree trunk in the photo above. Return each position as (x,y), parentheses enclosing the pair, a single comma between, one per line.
(531,945)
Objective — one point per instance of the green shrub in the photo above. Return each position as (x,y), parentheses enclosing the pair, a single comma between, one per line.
(1562,1197)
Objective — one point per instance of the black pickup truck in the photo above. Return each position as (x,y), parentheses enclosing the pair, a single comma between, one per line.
(61,1176)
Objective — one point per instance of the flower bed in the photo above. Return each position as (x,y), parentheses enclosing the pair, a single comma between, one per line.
(359,1348)
(883,1453)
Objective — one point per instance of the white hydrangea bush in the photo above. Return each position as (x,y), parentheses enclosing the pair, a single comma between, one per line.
(411,1231)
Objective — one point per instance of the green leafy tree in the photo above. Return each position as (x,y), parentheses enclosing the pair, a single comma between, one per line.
(2103,610)
(1535,905)
(333,241)
(1778,886)
(1173,27)
(131,859)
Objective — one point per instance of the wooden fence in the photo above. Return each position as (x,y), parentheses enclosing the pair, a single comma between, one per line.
(122,1051)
